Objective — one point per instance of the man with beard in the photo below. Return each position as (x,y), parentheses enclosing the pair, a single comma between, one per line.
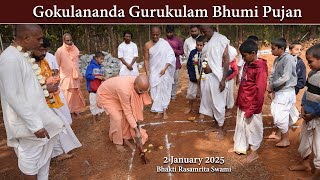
(190,43)
(67,139)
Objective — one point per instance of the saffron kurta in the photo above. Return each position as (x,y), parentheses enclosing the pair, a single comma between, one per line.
(67,58)
(124,106)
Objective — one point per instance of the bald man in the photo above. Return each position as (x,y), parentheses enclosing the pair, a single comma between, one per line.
(32,127)
(123,99)
(67,57)
(160,64)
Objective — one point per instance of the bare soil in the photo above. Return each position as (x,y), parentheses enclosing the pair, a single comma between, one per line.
(98,158)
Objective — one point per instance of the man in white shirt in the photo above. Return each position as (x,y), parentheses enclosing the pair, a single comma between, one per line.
(31,126)
(190,43)
(128,54)
(55,69)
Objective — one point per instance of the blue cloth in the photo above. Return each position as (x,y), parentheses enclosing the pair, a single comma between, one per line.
(93,70)
(301,75)
(309,106)
(190,66)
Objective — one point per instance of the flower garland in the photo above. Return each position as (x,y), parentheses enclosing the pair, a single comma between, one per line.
(195,63)
(204,65)
(37,71)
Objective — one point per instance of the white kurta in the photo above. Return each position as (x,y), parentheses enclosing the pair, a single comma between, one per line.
(160,86)
(189,45)
(249,131)
(25,110)
(52,61)
(213,101)
(128,52)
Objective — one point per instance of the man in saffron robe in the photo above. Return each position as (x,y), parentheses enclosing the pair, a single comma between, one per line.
(67,57)
(160,63)
(123,99)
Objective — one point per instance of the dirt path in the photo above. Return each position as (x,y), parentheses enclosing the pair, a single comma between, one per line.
(98,158)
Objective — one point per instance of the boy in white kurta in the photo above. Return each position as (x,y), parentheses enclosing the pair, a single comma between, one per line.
(310,112)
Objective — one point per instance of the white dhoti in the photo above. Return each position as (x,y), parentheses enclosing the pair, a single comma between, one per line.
(64,109)
(229,93)
(310,141)
(161,95)
(213,101)
(94,109)
(193,90)
(35,160)
(249,131)
(281,107)
(67,139)
(175,84)
(161,54)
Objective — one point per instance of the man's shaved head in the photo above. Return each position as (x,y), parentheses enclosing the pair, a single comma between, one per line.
(141,83)
(28,36)
(22,30)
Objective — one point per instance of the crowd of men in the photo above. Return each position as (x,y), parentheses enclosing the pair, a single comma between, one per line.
(40,92)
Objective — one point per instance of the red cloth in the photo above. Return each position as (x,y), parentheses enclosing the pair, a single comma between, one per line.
(252,87)
(234,68)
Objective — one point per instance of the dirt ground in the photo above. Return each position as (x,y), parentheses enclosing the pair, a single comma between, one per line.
(98,158)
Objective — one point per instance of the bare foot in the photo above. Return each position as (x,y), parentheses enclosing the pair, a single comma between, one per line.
(252,157)
(201,117)
(219,136)
(273,135)
(231,150)
(165,116)
(129,144)
(187,111)
(64,156)
(158,115)
(120,148)
(228,113)
(300,167)
(283,143)
(211,129)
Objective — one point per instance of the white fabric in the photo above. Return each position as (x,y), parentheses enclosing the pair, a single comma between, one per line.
(310,140)
(213,102)
(160,86)
(175,84)
(189,45)
(94,109)
(35,160)
(232,53)
(281,107)
(67,139)
(213,51)
(128,52)
(52,61)
(249,131)
(229,93)
(161,95)
(64,109)
(193,90)
(161,54)
(25,110)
